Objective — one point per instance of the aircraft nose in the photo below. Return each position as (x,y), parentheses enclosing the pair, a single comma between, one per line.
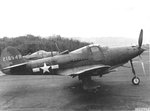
(135,51)
(141,50)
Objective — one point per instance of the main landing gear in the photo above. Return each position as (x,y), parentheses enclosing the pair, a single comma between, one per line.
(88,84)
(135,79)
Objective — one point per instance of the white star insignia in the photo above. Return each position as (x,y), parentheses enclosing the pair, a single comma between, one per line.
(45,68)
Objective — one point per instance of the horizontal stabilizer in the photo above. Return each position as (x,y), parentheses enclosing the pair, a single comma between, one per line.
(13,66)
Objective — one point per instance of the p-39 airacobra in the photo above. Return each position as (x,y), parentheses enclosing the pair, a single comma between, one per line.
(43,54)
(85,62)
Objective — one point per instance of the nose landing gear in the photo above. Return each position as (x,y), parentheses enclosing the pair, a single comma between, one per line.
(135,79)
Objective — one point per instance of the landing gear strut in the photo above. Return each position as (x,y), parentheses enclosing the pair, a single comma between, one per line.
(135,79)
(88,84)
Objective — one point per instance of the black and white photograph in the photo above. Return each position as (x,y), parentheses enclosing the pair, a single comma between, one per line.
(74,55)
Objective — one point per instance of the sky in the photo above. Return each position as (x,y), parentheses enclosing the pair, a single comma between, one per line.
(75,18)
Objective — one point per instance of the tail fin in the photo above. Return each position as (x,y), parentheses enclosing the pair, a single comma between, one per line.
(10,56)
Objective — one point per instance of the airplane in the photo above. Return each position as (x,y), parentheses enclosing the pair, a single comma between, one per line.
(42,54)
(85,62)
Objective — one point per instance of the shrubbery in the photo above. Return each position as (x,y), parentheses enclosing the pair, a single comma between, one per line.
(29,43)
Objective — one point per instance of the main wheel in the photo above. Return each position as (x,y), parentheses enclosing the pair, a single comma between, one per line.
(135,80)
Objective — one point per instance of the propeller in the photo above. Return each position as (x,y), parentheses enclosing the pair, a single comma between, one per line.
(140,44)
(142,64)
(140,38)
(140,50)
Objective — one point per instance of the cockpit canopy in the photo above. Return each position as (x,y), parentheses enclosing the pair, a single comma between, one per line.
(92,48)
(93,51)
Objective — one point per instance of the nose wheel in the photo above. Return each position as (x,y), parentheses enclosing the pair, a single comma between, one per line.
(135,79)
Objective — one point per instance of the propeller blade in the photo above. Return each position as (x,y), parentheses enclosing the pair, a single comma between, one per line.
(142,65)
(140,38)
(57,47)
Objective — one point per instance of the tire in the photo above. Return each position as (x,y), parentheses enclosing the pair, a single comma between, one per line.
(135,80)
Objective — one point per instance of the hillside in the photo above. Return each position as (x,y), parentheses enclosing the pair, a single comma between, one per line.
(30,43)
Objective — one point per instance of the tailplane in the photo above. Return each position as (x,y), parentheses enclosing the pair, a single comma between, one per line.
(10,56)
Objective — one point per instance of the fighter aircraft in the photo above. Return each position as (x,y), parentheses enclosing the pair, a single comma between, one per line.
(85,62)
(42,54)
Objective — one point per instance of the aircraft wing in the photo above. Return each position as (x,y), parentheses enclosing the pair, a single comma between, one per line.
(83,69)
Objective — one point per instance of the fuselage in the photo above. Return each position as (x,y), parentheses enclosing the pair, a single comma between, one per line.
(88,55)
